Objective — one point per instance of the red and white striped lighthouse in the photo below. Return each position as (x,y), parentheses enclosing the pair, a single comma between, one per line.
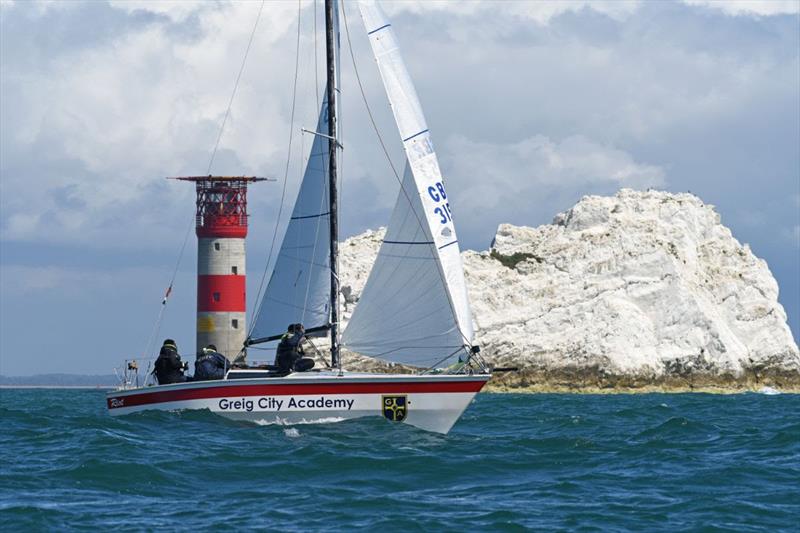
(221,229)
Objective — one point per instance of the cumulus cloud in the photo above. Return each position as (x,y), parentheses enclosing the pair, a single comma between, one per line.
(493,183)
(540,12)
(176,10)
(543,11)
(103,122)
(29,280)
(495,173)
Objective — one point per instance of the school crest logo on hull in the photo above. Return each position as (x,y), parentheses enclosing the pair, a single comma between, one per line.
(395,408)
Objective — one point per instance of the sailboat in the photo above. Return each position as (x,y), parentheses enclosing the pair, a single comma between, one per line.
(413,311)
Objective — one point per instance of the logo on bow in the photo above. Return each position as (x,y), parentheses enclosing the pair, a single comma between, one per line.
(395,408)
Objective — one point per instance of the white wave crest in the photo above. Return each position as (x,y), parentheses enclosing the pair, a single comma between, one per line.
(285,422)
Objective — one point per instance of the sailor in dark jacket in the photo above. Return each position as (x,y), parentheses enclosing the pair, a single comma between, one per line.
(210,364)
(290,353)
(169,367)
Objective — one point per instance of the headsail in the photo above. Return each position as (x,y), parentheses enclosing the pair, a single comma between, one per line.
(414,308)
(299,287)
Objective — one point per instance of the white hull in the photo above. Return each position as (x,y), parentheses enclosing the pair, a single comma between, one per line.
(430,402)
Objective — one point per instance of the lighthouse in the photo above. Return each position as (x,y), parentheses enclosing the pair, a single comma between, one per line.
(221,228)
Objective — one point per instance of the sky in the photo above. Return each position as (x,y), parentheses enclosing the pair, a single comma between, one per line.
(531,105)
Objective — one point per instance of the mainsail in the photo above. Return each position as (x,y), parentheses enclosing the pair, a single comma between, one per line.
(299,287)
(414,307)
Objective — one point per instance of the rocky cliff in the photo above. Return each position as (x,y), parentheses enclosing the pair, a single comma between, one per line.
(642,290)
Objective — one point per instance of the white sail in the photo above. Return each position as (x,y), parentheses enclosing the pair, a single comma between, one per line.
(404,314)
(414,308)
(299,287)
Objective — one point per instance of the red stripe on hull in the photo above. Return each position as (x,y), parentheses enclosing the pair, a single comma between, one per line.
(287,390)
(221,293)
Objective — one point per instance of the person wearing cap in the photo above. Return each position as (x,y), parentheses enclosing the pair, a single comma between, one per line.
(290,354)
(169,367)
(210,364)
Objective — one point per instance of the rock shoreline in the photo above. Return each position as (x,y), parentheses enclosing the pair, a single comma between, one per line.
(544,381)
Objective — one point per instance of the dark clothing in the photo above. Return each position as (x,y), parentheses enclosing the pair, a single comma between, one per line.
(210,365)
(289,355)
(303,364)
(168,367)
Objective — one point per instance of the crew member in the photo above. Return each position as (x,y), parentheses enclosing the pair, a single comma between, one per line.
(210,364)
(169,367)
(290,353)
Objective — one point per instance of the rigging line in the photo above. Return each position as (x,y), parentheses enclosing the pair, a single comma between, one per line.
(154,331)
(235,87)
(394,170)
(445,358)
(256,307)
(157,326)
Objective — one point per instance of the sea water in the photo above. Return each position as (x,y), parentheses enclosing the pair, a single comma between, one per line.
(652,462)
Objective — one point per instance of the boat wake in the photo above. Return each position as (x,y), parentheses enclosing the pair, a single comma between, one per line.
(284,422)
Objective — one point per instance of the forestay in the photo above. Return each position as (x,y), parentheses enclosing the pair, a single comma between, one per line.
(299,287)
(414,307)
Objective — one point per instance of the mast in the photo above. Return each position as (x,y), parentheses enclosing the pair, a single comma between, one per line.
(333,172)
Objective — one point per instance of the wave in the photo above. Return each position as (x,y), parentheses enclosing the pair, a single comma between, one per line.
(283,422)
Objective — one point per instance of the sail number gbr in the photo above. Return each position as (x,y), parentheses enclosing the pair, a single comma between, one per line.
(438,195)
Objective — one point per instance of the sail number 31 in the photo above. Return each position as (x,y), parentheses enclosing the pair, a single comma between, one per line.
(438,195)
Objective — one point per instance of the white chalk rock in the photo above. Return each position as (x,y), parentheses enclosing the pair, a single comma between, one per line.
(642,283)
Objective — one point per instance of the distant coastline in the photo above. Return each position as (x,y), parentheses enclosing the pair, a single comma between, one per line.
(54,387)
(59,381)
